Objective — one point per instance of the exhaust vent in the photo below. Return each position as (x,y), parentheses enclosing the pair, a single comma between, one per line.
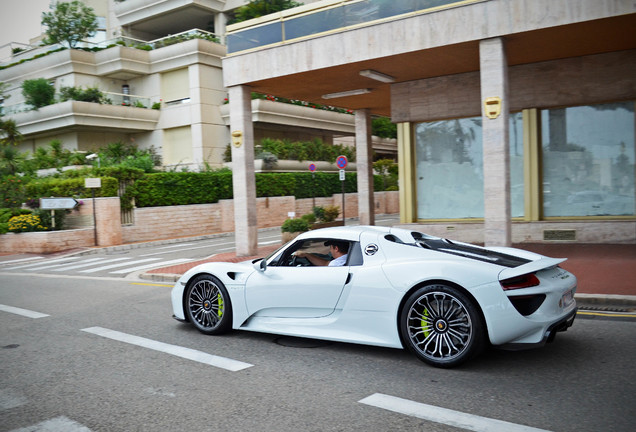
(559,235)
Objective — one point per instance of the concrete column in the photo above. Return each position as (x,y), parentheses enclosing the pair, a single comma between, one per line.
(108,221)
(243,181)
(220,23)
(364,163)
(494,86)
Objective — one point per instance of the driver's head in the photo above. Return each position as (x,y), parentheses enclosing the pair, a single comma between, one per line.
(340,246)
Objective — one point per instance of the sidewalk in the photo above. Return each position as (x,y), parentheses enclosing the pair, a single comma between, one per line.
(606,273)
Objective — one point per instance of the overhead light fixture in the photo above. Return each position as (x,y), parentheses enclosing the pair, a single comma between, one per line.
(346,93)
(370,73)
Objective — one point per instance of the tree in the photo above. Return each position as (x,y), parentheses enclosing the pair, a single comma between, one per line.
(69,23)
(9,133)
(258,8)
(38,92)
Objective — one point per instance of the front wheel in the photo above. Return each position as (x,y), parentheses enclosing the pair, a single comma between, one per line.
(442,326)
(208,305)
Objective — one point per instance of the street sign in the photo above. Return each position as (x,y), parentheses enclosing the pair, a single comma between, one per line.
(92,183)
(341,162)
(342,175)
(312,167)
(57,203)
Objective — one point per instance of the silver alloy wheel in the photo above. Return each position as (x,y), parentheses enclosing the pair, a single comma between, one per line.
(206,304)
(439,326)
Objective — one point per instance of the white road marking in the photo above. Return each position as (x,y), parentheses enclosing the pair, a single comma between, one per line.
(187,353)
(110,266)
(167,252)
(147,266)
(23,312)
(46,262)
(445,416)
(21,260)
(269,242)
(99,261)
(58,424)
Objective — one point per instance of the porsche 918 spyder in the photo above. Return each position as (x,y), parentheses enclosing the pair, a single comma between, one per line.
(444,300)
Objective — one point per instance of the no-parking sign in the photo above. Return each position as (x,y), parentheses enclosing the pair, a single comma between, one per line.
(341,161)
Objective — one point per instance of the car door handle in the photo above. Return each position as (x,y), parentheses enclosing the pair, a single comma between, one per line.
(348,278)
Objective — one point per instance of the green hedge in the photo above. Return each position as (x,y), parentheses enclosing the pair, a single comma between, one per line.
(179,188)
(69,187)
(164,189)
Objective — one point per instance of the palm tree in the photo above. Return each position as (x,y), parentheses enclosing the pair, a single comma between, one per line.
(9,133)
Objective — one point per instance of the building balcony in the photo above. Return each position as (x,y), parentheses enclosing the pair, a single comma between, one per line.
(325,17)
(167,16)
(79,116)
(291,116)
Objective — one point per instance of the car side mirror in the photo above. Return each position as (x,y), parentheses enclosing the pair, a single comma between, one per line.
(261,265)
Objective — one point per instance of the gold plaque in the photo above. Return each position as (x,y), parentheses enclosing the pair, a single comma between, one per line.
(492,106)
(237,138)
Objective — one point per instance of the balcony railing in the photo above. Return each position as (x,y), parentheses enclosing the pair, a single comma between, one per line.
(325,17)
(37,50)
(110,98)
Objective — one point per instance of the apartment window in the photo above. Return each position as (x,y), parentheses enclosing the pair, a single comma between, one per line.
(449,168)
(175,87)
(588,160)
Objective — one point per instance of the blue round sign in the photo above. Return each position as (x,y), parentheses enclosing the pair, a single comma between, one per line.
(312,167)
(341,162)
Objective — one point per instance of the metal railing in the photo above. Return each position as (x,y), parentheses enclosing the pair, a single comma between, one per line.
(324,18)
(36,50)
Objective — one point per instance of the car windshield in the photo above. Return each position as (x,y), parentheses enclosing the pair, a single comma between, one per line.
(467,251)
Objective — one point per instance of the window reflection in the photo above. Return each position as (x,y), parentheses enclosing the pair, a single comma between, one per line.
(588,160)
(449,168)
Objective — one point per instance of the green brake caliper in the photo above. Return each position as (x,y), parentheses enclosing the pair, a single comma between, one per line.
(426,325)
(220,303)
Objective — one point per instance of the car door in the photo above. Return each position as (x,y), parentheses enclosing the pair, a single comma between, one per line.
(286,291)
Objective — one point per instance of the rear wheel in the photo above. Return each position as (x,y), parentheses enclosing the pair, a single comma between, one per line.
(442,326)
(208,305)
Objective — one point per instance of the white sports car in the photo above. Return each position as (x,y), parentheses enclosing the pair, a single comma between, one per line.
(442,299)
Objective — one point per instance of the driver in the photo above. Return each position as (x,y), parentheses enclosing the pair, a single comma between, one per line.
(338,249)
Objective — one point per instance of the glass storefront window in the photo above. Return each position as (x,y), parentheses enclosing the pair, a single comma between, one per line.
(588,160)
(449,168)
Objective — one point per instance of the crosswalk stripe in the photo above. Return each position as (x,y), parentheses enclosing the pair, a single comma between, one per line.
(147,266)
(56,424)
(110,266)
(187,353)
(446,416)
(21,260)
(89,263)
(24,312)
(47,262)
(55,266)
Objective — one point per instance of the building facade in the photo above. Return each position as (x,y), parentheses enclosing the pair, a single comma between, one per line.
(515,117)
(159,65)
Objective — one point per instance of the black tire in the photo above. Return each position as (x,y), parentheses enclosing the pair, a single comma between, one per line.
(442,326)
(207,305)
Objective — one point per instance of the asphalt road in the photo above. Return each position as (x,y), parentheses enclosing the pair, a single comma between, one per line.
(107,356)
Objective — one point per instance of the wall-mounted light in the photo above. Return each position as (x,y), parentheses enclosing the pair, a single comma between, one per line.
(378,76)
(346,93)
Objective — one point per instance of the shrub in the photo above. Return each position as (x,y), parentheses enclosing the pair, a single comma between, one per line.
(309,218)
(91,94)
(331,213)
(38,92)
(295,225)
(25,223)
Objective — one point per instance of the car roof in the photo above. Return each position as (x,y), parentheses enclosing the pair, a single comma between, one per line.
(351,233)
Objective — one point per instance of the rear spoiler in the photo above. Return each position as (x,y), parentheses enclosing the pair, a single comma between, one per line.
(531,267)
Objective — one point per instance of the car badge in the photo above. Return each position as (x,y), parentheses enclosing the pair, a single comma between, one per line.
(371,249)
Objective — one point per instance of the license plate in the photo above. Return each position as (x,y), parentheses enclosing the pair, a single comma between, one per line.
(567,298)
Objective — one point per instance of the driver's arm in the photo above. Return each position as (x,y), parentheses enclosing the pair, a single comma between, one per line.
(315,260)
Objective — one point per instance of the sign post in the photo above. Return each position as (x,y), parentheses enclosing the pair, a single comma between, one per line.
(56,204)
(312,168)
(342,161)
(92,184)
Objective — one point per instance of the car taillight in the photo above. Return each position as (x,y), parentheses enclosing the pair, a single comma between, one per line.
(524,281)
